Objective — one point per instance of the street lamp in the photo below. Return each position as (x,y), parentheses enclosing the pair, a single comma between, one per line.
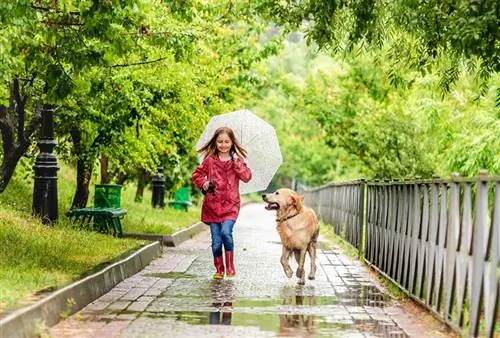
(45,201)
(158,185)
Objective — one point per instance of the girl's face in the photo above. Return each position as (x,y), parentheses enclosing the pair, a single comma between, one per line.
(224,143)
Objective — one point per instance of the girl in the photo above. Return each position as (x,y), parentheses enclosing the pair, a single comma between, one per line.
(219,178)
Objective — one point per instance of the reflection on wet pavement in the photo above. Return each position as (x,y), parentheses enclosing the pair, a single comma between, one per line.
(296,313)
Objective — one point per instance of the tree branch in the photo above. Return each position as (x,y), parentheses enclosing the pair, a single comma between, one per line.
(7,136)
(20,104)
(62,24)
(146,33)
(138,63)
(48,9)
(14,152)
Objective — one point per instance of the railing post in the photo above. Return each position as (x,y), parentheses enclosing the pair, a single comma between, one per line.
(492,274)
(362,209)
(451,246)
(478,253)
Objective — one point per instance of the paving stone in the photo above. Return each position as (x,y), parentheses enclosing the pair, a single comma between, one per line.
(134,293)
(118,305)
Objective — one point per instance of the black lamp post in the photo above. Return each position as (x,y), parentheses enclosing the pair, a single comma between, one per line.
(158,185)
(45,198)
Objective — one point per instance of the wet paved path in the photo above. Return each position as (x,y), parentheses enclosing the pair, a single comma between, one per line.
(176,297)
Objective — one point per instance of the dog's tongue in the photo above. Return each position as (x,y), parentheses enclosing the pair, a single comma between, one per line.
(271,206)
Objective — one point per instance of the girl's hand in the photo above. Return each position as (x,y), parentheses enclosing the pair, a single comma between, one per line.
(205,185)
(237,155)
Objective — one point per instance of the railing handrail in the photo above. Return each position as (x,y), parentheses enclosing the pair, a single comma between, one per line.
(395,181)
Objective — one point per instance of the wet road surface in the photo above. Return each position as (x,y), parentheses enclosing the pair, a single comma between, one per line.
(175,296)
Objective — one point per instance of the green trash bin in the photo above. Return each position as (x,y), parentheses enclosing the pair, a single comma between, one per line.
(107,196)
(182,199)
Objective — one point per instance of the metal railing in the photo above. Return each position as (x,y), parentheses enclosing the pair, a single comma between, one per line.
(438,240)
(341,205)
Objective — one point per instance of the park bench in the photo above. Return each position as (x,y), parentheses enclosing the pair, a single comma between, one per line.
(106,213)
(182,199)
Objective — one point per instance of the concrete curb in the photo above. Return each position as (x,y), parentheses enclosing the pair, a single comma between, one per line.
(176,238)
(26,321)
(171,240)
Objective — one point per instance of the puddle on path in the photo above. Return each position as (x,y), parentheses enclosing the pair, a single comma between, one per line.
(220,291)
(291,315)
(285,324)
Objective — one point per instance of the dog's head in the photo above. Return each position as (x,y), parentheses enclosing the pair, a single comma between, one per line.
(283,200)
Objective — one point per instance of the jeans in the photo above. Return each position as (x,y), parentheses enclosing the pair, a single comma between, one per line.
(222,234)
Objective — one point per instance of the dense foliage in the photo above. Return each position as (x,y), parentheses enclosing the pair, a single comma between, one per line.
(347,117)
(458,29)
(133,80)
(412,88)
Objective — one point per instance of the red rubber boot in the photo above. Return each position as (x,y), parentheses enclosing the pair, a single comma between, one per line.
(230,264)
(219,267)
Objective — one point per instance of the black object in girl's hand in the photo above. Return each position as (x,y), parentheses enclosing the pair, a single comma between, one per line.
(211,188)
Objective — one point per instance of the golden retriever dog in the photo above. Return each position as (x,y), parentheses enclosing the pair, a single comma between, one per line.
(298,228)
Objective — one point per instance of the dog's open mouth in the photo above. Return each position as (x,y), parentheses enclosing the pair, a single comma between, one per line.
(272,206)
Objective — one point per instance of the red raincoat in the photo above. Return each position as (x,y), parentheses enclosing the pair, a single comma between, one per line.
(225,203)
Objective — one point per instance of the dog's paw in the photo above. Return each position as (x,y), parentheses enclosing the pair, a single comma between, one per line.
(300,273)
(301,281)
(289,273)
(311,277)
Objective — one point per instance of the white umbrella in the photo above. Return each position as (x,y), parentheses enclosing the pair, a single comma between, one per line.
(258,137)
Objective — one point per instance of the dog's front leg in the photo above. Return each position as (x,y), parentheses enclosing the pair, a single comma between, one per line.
(301,273)
(285,254)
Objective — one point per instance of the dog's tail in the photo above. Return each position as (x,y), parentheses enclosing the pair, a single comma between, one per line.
(314,240)
(314,237)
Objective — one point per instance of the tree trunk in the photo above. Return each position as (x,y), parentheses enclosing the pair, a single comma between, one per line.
(104,169)
(83,176)
(10,163)
(7,132)
(16,139)
(142,181)
(83,172)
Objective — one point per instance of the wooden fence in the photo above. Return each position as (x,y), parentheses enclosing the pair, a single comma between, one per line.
(438,240)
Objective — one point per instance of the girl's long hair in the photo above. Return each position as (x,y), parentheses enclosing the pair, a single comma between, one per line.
(210,148)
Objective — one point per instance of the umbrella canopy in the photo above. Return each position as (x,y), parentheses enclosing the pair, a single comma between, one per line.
(258,137)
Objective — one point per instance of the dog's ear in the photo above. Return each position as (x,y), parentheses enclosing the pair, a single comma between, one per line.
(297,201)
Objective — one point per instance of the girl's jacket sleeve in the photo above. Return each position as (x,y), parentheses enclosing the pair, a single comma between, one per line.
(242,171)
(200,174)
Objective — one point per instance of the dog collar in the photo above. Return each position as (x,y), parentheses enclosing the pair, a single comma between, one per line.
(285,218)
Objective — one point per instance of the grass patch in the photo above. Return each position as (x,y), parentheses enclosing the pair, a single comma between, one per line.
(337,242)
(142,218)
(36,259)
